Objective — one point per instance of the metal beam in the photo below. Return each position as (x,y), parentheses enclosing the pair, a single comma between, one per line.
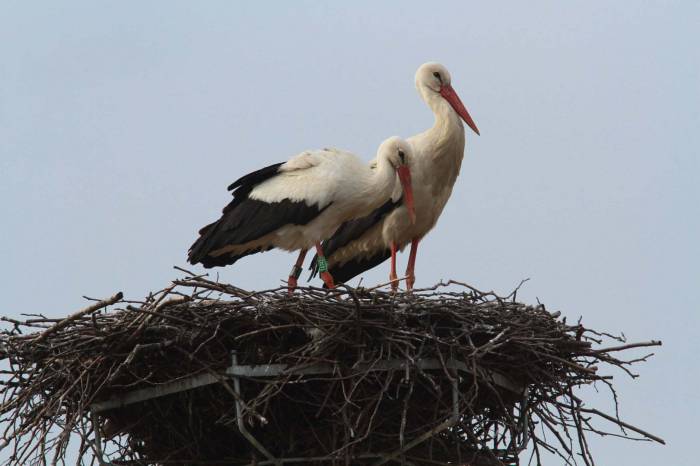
(273,370)
(144,394)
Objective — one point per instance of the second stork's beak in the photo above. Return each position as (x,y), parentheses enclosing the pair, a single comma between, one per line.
(451,96)
(405,179)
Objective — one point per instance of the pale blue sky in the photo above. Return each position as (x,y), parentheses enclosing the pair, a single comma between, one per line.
(122,123)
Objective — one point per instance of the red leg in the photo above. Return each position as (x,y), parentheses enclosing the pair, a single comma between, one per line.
(393,278)
(323,267)
(410,274)
(296,271)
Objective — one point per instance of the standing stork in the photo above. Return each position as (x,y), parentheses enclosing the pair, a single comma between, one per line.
(297,204)
(363,243)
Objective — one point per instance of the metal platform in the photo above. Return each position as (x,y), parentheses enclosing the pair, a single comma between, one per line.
(236,372)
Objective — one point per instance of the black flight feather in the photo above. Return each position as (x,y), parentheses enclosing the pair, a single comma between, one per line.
(255,178)
(354,267)
(349,232)
(245,219)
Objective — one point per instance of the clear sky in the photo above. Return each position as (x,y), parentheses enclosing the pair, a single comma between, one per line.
(122,123)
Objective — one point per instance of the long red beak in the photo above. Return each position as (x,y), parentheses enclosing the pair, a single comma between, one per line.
(405,179)
(451,96)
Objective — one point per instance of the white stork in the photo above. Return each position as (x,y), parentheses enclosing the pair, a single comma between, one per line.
(363,243)
(297,204)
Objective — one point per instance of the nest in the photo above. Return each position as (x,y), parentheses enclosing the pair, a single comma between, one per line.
(207,373)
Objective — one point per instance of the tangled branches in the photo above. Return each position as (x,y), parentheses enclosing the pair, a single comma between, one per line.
(448,374)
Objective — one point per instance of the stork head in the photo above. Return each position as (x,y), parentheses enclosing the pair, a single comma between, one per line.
(433,80)
(399,154)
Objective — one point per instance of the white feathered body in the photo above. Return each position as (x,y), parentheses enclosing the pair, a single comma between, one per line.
(336,181)
(438,154)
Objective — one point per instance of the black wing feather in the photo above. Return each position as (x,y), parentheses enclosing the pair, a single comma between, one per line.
(348,232)
(245,219)
(352,268)
(255,178)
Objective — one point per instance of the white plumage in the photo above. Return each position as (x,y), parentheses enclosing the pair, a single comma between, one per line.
(298,204)
(329,178)
(438,154)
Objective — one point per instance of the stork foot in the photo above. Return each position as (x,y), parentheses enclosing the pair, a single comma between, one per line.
(295,273)
(291,284)
(327,279)
(394,279)
(410,275)
(410,281)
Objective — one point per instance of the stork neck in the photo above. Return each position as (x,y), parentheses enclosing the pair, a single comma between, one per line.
(447,123)
(384,178)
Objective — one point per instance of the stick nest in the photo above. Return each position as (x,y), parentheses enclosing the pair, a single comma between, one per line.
(521,369)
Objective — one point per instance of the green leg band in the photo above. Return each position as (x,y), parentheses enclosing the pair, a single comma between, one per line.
(322,264)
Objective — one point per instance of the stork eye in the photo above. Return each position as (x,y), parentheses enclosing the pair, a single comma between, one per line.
(437,75)
(402,156)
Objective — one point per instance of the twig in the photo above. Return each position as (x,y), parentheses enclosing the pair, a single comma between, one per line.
(90,309)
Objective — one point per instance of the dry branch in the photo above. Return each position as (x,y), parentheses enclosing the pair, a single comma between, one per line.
(448,374)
